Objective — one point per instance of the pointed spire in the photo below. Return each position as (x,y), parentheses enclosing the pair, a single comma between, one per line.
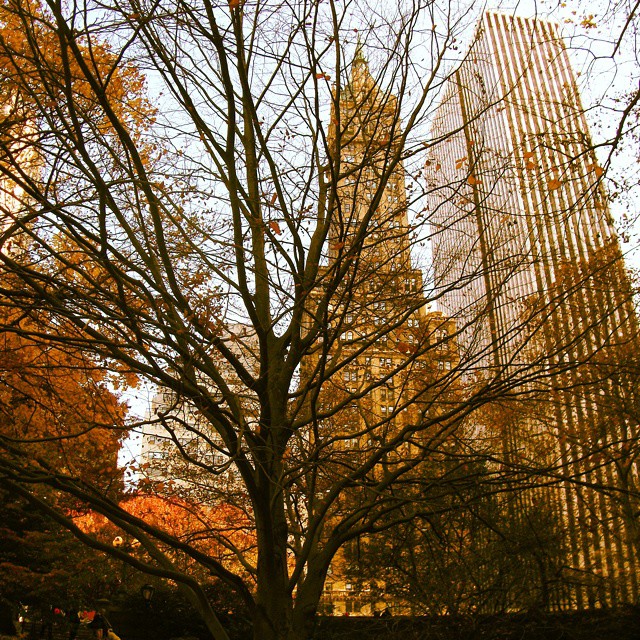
(358,56)
(361,79)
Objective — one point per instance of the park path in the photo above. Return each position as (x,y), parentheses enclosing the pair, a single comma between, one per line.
(60,632)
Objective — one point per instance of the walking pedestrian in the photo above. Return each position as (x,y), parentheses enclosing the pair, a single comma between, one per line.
(99,626)
(73,618)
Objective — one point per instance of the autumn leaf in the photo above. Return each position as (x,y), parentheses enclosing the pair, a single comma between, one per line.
(338,245)
(472,180)
(438,167)
(275,227)
(528,155)
(403,347)
(235,4)
(588,22)
(554,184)
(530,165)
(460,162)
(597,169)
(274,197)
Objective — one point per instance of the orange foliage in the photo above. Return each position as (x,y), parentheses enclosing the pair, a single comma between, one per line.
(38,67)
(55,404)
(460,162)
(210,529)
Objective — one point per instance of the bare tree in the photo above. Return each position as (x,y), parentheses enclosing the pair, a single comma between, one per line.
(270,187)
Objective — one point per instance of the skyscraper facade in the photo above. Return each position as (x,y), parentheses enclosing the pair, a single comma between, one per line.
(528,264)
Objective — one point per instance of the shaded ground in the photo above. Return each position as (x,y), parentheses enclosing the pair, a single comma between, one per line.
(595,625)
(588,625)
(592,625)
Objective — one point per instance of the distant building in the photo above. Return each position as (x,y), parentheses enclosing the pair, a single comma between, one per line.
(18,155)
(528,264)
(179,448)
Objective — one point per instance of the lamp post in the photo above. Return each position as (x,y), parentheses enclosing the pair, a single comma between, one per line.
(120,543)
(147,591)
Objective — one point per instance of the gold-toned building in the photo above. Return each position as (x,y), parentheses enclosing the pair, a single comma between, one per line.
(520,218)
(385,360)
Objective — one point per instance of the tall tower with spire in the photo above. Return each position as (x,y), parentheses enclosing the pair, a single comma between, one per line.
(365,135)
(371,367)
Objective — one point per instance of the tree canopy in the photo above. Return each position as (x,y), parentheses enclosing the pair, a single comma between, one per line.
(277,182)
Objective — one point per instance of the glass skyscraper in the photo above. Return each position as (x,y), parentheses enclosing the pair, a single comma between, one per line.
(528,264)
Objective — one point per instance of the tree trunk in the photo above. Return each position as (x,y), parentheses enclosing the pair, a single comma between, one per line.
(208,615)
(273,619)
(276,616)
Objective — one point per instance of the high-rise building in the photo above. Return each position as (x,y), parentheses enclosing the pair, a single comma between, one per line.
(528,264)
(383,356)
(16,152)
